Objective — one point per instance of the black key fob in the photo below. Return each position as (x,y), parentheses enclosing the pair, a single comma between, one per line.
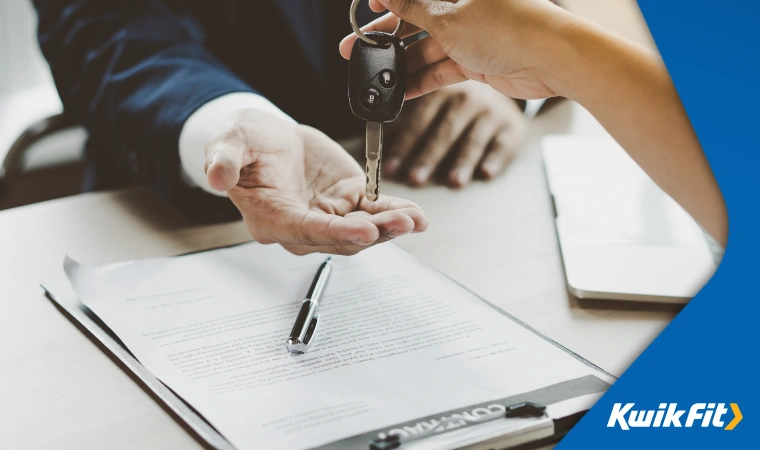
(377,78)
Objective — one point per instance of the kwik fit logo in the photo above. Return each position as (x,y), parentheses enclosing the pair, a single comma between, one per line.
(669,415)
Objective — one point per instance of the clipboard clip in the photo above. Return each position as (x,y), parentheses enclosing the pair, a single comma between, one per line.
(457,422)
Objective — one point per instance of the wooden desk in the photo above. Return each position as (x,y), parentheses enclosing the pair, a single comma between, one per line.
(58,390)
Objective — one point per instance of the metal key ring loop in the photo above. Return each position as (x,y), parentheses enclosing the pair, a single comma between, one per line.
(358,31)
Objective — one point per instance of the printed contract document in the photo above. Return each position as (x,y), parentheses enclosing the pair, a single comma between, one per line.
(398,344)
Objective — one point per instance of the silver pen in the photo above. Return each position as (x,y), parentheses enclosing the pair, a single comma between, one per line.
(306,323)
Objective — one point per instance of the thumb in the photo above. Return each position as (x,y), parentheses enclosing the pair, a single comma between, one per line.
(417,12)
(224,159)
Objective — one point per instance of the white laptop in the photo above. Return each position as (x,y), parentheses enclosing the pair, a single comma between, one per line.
(621,236)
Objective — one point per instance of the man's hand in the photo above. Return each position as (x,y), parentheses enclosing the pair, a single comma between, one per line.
(296,187)
(461,131)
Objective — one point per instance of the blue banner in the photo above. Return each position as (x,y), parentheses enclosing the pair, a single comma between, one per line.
(696,385)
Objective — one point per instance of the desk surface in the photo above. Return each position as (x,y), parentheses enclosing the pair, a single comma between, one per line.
(58,390)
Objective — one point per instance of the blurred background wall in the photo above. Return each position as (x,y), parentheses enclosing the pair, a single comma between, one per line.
(22,62)
(50,167)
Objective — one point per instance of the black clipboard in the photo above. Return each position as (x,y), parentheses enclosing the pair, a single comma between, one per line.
(64,298)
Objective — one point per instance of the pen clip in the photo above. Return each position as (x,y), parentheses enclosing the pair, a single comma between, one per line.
(302,347)
(311,331)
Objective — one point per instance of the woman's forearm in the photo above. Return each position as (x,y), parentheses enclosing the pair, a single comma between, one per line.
(629,91)
(534,49)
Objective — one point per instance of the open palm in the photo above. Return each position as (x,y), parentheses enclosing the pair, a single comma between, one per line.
(297,187)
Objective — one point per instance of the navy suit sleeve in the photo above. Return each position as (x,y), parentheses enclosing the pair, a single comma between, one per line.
(132,72)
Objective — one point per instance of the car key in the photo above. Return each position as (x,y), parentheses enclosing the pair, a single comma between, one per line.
(376,90)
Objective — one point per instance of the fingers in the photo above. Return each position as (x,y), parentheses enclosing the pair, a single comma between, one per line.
(433,77)
(419,12)
(316,228)
(376,6)
(344,250)
(444,132)
(472,146)
(410,10)
(224,157)
(390,223)
(303,231)
(423,53)
(428,65)
(501,150)
(404,135)
(300,226)
(387,24)
(405,207)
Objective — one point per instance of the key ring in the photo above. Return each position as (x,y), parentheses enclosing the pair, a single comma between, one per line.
(358,31)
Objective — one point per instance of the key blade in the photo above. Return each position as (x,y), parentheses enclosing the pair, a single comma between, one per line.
(374,154)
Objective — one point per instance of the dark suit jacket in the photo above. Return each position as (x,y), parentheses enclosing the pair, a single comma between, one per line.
(132,72)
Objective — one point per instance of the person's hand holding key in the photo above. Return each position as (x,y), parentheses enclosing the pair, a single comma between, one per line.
(534,49)
(376,90)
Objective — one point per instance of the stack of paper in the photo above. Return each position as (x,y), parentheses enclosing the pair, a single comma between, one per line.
(399,345)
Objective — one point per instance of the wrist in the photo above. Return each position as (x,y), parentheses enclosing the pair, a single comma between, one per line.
(572,56)
(588,57)
(204,122)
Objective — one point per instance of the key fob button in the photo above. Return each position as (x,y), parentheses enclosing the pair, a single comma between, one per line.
(371,98)
(387,78)
(377,78)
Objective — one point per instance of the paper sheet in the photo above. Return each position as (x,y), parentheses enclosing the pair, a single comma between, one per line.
(397,341)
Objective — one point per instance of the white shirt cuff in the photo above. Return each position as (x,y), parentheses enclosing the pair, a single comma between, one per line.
(203,122)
